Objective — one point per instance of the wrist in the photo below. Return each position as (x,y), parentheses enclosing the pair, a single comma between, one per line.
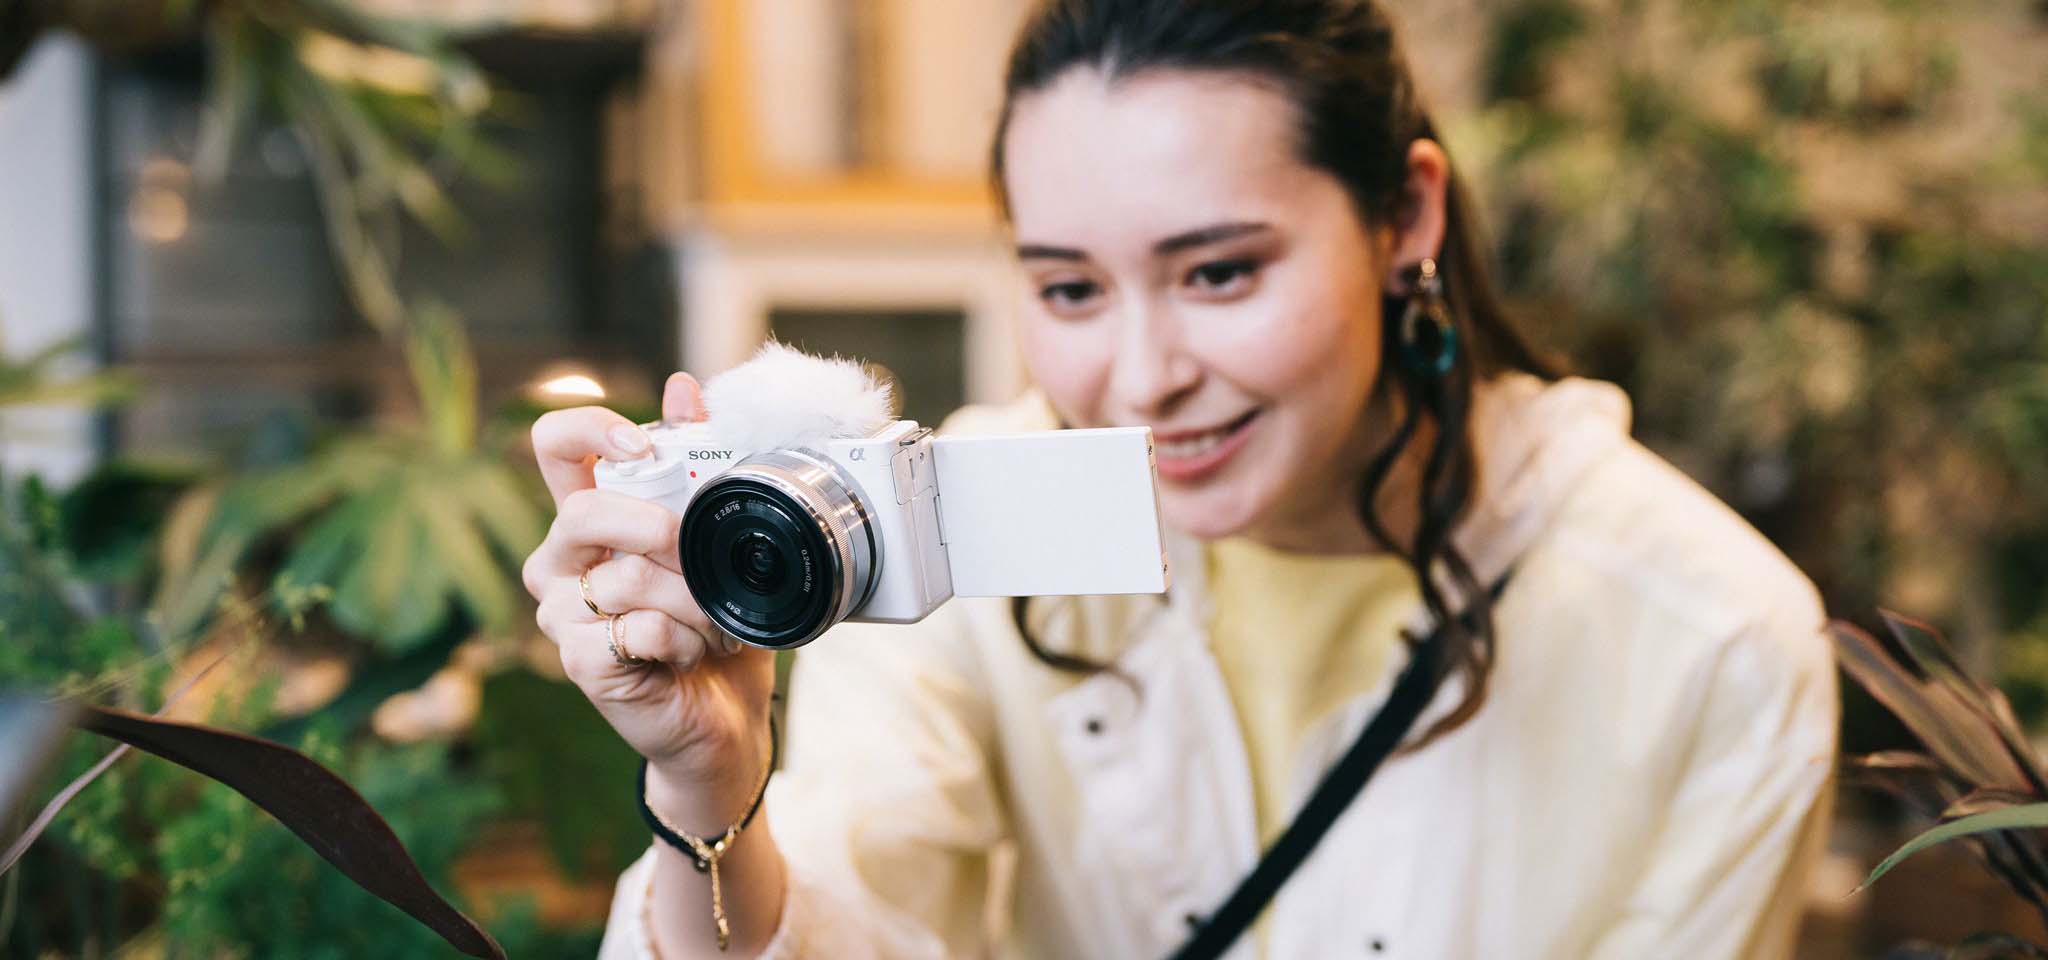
(707,808)
(702,807)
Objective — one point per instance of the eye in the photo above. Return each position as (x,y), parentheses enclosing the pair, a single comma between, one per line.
(1068,295)
(1223,277)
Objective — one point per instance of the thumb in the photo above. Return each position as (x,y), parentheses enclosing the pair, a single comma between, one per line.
(682,398)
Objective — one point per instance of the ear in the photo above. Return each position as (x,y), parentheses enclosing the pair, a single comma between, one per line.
(1419,219)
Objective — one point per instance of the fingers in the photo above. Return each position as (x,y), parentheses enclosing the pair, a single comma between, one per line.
(594,524)
(682,398)
(568,442)
(633,582)
(586,646)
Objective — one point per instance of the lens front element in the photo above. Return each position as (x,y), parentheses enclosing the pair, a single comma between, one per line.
(760,563)
(778,548)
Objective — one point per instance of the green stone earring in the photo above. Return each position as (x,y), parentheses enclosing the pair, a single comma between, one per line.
(1428,339)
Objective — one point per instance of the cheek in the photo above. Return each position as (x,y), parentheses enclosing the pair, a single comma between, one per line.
(1070,362)
(1312,365)
(1306,355)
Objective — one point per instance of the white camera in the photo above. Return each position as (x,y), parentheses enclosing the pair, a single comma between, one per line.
(779,545)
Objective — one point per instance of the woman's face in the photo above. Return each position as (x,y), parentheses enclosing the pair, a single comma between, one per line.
(1187,272)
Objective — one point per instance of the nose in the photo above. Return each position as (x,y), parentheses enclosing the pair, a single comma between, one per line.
(1153,371)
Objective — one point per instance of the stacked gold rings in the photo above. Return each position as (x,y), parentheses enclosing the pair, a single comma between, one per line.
(611,626)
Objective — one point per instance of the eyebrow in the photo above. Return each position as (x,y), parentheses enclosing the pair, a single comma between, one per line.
(1203,236)
(1186,240)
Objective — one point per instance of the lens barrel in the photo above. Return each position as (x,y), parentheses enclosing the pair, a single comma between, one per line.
(779,547)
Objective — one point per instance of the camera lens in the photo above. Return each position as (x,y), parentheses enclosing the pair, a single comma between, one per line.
(759,563)
(779,548)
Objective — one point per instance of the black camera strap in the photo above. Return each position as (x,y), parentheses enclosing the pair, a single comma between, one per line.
(1413,690)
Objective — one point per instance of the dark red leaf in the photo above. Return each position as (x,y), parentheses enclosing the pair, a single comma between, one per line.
(327,813)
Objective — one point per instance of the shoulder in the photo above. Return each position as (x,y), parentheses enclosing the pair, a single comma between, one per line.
(1684,581)
(1648,524)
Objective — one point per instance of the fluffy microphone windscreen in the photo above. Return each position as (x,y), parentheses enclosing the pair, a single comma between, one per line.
(784,397)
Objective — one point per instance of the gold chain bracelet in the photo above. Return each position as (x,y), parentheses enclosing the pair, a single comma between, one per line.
(705,854)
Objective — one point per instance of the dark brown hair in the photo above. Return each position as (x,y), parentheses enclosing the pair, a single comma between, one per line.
(1357,110)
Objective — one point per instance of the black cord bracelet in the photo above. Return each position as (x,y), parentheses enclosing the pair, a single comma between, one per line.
(675,839)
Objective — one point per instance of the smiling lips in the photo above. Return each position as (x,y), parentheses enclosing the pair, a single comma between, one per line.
(1187,456)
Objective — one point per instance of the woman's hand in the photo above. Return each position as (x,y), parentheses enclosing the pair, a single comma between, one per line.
(698,710)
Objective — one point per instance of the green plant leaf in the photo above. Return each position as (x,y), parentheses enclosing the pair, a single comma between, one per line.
(506,509)
(197,566)
(335,540)
(444,372)
(342,206)
(393,592)
(234,69)
(460,550)
(421,195)
(32,381)
(2032,816)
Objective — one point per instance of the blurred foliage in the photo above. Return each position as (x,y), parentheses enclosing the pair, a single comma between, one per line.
(154,857)
(1811,240)
(534,735)
(34,380)
(386,109)
(150,841)
(388,545)
(60,553)
(409,531)
(54,639)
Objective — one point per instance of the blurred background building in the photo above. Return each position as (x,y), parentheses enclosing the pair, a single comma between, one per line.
(281,285)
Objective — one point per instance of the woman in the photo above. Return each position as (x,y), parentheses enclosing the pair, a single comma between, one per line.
(1237,228)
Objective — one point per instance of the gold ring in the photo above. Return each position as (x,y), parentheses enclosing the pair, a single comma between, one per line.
(583,585)
(611,639)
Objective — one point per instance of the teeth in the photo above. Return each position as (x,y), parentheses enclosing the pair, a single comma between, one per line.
(1195,447)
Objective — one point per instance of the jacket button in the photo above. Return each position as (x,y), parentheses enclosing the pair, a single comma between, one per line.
(1378,945)
(1093,726)
(1194,921)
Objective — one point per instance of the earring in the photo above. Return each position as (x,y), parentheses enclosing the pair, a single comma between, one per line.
(1428,340)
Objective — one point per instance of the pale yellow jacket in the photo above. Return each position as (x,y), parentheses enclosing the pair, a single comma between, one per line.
(1648,778)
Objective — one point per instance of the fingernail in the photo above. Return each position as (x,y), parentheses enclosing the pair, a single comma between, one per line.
(627,438)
